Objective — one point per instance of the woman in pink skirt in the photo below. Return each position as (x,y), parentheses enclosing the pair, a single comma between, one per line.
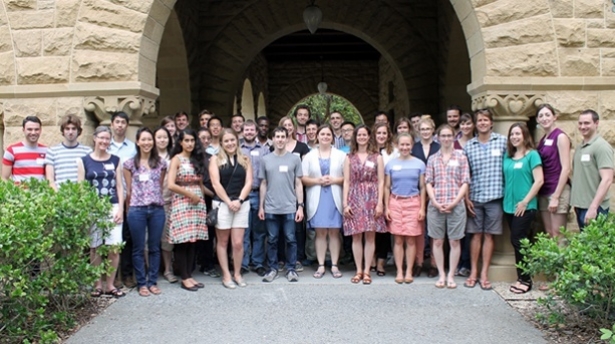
(404,201)
(363,200)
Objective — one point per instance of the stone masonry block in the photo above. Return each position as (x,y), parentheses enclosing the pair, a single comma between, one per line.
(31,19)
(104,66)
(57,42)
(42,70)
(105,13)
(6,43)
(579,62)
(15,110)
(505,11)
(66,12)
(532,30)
(526,60)
(604,38)
(94,37)
(562,8)
(27,43)
(7,68)
(20,5)
(570,32)
(589,8)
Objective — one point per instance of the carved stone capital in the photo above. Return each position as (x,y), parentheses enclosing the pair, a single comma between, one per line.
(516,106)
(134,106)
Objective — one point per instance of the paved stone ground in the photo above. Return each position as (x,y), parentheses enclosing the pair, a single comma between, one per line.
(311,311)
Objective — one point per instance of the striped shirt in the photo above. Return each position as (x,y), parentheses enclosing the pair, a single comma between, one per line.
(26,162)
(63,159)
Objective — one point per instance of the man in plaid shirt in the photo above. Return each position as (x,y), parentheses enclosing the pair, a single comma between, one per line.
(485,155)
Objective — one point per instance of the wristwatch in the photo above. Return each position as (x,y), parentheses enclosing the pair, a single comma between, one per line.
(302,205)
(241,200)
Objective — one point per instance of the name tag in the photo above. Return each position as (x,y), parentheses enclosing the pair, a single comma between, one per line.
(254,153)
(109,167)
(283,168)
(40,161)
(518,165)
(496,152)
(549,142)
(453,163)
(144,177)
(396,168)
(369,164)
(585,157)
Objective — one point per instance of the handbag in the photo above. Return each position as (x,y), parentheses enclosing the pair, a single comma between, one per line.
(212,216)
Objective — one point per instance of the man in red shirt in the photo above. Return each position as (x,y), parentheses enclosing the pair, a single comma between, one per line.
(26,159)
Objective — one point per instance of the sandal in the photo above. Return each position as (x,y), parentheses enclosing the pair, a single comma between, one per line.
(96,292)
(522,287)
(372,269)
(451,285)
(170,277)
(318,274)
(357,278)
(155,290)
(116,293)
(367,279)
(381,273)
(143,291)
(337,273)
(440,284)
(470,283)
(485,285)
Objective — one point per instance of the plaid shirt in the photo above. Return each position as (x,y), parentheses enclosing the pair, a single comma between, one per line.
(448,178)
(486,168)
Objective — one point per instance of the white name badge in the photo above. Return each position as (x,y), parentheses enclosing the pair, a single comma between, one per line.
(453,163)
(369,164)
(40,161)
(144,177)
(109,167)
(585,157)
(283,168)
(518,165)
(549,142)
(397,168)
(254,153)
(496,152)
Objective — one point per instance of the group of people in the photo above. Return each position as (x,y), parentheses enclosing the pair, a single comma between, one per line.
(306,191)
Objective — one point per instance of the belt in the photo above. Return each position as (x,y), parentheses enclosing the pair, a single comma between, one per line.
(404,197)
(256,189)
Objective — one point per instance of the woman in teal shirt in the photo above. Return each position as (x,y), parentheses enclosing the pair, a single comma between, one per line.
(522,179)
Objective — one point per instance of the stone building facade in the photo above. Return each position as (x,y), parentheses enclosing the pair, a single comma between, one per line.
(152,58)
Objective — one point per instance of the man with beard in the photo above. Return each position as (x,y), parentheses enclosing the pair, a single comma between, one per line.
(255,234)
(61,159)
(26,159)
(302,115)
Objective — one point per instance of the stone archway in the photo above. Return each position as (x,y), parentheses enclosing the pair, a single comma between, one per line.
(262,107)
(247,100)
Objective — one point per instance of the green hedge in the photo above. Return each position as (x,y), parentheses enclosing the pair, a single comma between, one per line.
(44,257)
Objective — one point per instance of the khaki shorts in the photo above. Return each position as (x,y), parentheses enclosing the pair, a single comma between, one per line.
(564,202)
(228,219)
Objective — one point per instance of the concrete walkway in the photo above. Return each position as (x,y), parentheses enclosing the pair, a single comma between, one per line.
(311,311)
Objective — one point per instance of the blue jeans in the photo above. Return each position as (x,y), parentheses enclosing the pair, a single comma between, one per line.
(581,215)
(258,233)
(141,220)
(274,223)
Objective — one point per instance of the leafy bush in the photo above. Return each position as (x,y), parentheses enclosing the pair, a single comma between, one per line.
(44,256)
(608,334)
(583,267)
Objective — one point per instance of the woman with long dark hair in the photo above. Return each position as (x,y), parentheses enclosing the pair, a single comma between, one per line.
(144,175)
(188,210)
(523,179)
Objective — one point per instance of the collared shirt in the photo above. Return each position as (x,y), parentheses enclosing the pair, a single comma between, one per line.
(485,160)
(125,150)
(589,158)
(338,141)
(302,137)
(256,152)
(447,178)
(212,150)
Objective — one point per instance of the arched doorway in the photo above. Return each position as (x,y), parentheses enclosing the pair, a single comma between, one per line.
(247,100)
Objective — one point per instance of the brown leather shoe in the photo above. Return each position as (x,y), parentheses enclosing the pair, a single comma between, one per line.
(416,271)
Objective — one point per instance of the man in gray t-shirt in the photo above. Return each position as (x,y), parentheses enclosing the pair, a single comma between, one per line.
(281,203)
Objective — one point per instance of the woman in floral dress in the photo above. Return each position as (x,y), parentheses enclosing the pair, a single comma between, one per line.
(363,200)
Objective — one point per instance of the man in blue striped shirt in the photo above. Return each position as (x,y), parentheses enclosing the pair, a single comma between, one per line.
(61,159)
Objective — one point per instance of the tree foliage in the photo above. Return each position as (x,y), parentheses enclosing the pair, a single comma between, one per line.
(323,105)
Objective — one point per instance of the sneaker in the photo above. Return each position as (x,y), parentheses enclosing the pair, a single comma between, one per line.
(244,271)
(271,275)
(464,272)
(281,266)
(298,267)
(261,271)
(292,276)
(213,273)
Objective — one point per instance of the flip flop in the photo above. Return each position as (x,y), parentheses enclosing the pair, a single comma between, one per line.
(451,285)
(96,292)
(440,284)
(470,283)
(485,285)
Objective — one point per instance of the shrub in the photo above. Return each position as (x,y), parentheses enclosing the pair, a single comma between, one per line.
(44,256)
(583,267)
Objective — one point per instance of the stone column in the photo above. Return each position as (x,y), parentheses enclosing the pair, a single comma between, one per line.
(134,106)
(507,108)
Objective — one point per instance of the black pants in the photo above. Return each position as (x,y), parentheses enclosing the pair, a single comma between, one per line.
(383,245)
(184,258)
(126,254)
(520,227)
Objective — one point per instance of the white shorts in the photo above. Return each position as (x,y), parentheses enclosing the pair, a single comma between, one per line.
(228,219)
(115,233)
